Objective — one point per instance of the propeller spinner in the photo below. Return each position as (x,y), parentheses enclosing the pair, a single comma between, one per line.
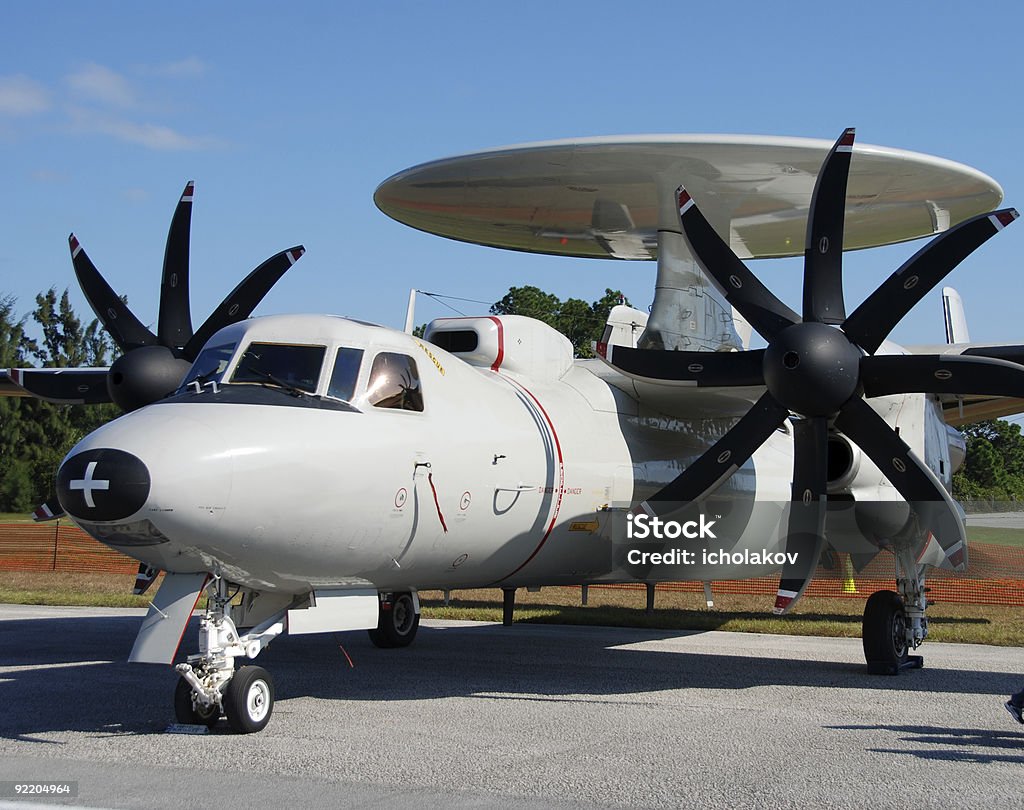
(152,366)
(819,368)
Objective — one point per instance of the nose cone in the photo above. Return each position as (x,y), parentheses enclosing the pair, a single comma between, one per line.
(102,484)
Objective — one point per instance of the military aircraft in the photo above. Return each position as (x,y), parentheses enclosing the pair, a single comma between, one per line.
(313,473)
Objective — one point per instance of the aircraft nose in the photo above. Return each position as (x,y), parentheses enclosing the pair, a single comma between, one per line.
(103,484)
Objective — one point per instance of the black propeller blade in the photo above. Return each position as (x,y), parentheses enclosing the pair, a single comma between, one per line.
(912,479)
(878,315)
(242,300)
(823,249)
(806,510)
(822,373)
(151,366)
(121,324)
(742,289)
(726,456)
(174,325)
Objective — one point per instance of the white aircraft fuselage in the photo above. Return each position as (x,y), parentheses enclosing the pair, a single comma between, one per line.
(504,464)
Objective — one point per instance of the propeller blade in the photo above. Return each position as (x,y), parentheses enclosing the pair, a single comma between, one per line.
(823,251)
(725,369)
(50,510)
(806,534)
(918,485)
(726,456)
(174,326)
(741,288)
(940,374)
(125,329)
(244,298)
(879,313)
(64,386)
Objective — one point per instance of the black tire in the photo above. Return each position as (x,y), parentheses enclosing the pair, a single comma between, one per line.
(884,632)
(187,713)
(396,626)
(249,700)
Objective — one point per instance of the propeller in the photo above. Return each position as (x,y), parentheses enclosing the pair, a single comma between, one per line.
(819,368)
(152,366)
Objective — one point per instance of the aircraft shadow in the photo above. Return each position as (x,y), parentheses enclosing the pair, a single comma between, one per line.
(70,674)
(958,742)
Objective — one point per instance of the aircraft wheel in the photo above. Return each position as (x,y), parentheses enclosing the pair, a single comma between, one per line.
(396,627)
(884,633)
(187,712)
(249,699)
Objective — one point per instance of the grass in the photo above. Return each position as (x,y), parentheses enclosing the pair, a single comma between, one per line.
(616,607)
(996,536)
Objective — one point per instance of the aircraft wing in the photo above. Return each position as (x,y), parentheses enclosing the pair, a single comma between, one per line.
(62,386)
(691,402)
(965,409)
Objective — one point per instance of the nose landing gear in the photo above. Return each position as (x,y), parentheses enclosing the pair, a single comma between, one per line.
(210,687)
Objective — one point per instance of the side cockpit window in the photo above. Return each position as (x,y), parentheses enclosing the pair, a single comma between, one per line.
(211,364)
(345,373)
(394,383)
(287,366)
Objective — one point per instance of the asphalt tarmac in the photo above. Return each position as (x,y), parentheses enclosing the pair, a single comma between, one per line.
(997,520)
(479,715)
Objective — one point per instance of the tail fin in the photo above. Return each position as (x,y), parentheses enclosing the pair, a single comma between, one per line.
(956,321)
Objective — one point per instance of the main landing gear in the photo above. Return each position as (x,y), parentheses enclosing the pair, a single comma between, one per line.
(895,622)
(210,687)
(397,622)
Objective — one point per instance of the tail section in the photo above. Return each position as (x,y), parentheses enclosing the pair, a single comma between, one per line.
(956,321)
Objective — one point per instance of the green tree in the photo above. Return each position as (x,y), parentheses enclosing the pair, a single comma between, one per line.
(994,468)
(579,321)
(16,490)
(34,435)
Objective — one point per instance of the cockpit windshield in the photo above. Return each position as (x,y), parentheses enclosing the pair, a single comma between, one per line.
(293,367)
(210,365)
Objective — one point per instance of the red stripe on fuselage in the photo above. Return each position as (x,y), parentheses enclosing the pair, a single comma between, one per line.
(561,477)
(496,365)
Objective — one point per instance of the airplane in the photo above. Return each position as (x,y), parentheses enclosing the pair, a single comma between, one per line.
(315,473)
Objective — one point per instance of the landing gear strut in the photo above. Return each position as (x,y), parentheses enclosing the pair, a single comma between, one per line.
(895,623)
(209,686)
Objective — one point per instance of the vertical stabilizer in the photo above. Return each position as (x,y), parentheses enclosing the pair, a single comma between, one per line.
(688,314)
(956,321)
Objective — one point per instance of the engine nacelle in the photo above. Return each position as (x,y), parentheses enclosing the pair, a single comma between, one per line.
(843,463)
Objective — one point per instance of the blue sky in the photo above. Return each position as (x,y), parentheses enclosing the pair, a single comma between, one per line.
(288,119)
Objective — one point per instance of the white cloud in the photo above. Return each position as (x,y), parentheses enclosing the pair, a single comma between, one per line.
(152,136)
(21,96)
(98,83)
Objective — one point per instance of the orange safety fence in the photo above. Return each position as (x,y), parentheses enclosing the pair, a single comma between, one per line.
(58,546)
(995,574)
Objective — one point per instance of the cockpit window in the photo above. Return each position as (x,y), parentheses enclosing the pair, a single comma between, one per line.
(287,366)
(346,370)
(210,364)
(394,383)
